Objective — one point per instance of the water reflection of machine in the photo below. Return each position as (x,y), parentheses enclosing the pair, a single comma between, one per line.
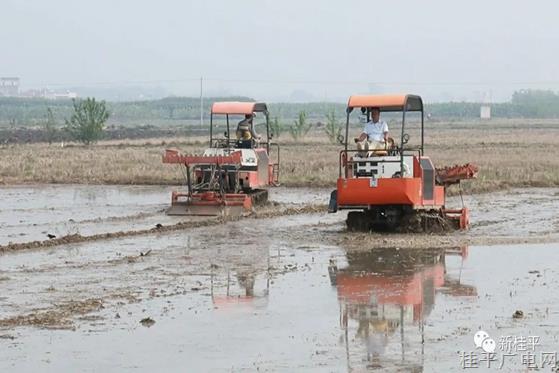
(386,292)
(242,280)
(240,268)
(240,288)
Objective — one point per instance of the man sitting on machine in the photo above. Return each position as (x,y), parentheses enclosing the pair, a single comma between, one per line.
(245,132)
(374,139)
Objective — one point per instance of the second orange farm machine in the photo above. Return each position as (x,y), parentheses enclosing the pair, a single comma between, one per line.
(232,174)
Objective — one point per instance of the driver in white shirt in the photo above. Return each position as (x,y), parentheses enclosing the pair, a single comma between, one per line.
(375,133)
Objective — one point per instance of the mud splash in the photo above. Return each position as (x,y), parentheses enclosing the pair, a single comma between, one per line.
(366,241)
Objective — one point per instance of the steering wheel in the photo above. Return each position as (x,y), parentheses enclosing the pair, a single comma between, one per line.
(221,143)
(405,138)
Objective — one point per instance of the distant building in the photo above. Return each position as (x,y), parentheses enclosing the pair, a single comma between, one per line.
(485,112)
(34,93)
(49,94)
(9,87)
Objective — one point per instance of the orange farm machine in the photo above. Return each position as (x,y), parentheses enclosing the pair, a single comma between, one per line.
(397,187)
(233,172)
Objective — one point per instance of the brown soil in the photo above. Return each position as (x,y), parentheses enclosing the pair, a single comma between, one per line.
(57,317)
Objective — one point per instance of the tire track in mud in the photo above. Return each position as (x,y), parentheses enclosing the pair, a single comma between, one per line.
(108,219)
(350,240)
(78,238)
(140,215)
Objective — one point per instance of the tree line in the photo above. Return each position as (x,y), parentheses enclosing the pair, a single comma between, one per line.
(85,119)
(30,112)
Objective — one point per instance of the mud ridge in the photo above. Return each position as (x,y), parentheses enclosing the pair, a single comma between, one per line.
(266,212)
(139,215)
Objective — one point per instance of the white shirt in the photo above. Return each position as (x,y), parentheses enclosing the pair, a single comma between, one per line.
(375,131)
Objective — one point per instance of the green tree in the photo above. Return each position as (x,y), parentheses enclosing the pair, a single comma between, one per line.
(276,127)
(49,125)
(333,127)
(87,121)
(300,128)
(535,103)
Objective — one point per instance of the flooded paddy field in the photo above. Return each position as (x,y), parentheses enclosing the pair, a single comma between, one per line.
(32,213)
(285,293)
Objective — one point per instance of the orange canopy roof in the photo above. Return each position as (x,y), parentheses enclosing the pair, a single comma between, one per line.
(237,107)
(387,102)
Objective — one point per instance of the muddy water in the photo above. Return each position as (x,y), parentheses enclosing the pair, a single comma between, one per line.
(32,213)
(301,195)
(259,296)
(295,293)
(515,212)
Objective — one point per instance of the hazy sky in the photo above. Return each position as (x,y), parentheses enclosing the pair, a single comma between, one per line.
(285,49)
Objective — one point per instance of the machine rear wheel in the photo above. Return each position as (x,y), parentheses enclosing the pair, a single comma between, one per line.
(357,221)
(401,219)
(379,219)
(259,196)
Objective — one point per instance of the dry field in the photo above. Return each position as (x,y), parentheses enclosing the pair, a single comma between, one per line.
(509,154)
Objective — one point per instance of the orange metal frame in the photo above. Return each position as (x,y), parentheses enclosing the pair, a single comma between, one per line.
(387,191)
(396,191)
(173,156)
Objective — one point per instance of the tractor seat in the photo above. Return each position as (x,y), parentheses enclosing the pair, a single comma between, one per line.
(363,150)
(371,153)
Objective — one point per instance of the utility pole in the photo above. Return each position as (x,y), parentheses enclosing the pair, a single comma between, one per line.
(201,101)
